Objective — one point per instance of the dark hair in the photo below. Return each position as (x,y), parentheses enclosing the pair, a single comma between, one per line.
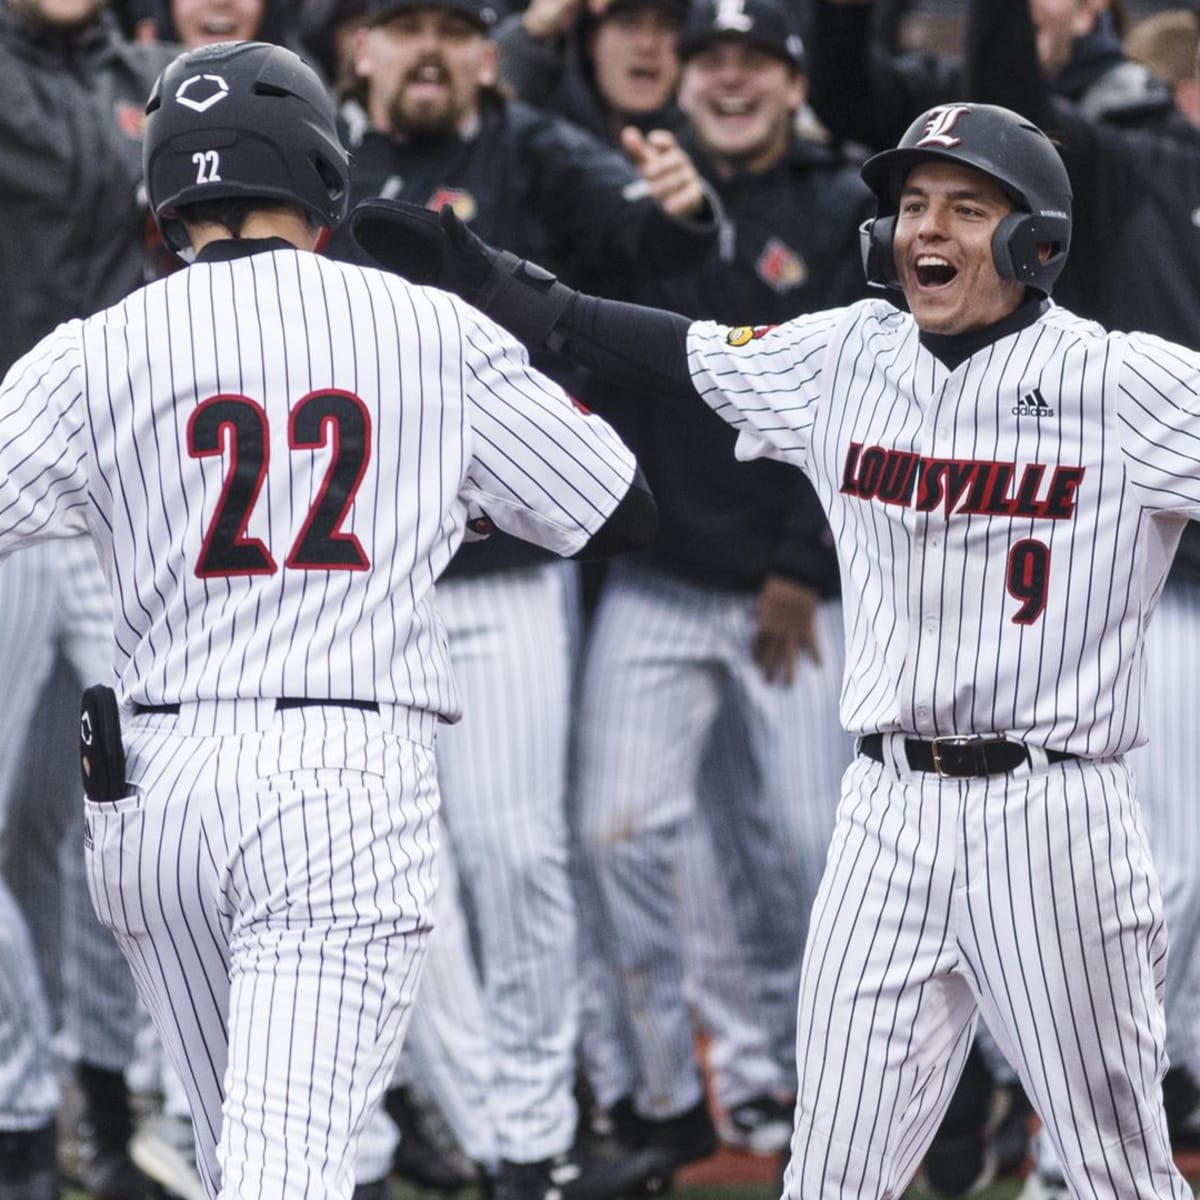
(232,212)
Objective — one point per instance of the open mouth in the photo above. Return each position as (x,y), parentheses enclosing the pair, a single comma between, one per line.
(934,271)
(218,27)
(431,74)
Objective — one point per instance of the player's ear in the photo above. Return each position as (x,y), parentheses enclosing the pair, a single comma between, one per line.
(361,52)
(489,65)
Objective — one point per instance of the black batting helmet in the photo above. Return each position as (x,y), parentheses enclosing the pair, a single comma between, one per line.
(1003,145)
(242,119)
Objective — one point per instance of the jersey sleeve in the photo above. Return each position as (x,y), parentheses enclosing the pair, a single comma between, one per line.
(542,467)
(1158,407)
(765,380)
(43,443)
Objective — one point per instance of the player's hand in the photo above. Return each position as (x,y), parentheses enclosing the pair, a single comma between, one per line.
(785,628)
(425,247)
(669,174)
(438,249)
(548,19)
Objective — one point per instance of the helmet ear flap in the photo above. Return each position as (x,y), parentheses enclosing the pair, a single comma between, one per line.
(876,237)
(1016,248)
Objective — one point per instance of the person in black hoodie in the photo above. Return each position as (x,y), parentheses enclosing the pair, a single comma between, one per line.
(602,66)
(198,22)
(435,130)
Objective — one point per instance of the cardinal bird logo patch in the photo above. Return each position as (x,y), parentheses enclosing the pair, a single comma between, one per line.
(463,203)
(131,118)
(780,267)
(745,334)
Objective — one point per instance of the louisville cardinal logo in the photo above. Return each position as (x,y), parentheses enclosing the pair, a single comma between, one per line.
(463,203)
(780,267)
(131,118)
(941,121)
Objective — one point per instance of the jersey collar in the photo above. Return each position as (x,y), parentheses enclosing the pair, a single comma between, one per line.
(227,249)
(952,349)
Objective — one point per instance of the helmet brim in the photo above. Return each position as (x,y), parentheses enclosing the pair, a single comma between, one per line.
(884,173)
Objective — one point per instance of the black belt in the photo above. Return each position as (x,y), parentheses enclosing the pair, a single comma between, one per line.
(280,705)
(959,757)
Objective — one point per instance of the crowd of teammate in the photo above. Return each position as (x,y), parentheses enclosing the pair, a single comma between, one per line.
(638,801)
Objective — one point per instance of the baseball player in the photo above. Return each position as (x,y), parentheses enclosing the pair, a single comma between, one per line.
(276,455)
(1006,484)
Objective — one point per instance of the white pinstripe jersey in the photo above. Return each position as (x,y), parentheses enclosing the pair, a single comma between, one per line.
(276,455)
(1003,529)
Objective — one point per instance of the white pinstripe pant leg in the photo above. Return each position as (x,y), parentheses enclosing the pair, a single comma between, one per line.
(45,797)
(1168,783)
(800,752)
(100,1010)
(606,1043)
(448,1052)
(28,1091)
(720,985)
(1069,954)
(883,1024)
(651,690)
(1034,895)
(272,891)
(503,776)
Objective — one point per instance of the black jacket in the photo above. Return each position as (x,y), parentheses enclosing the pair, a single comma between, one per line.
(544,189)
(1134,262)
(866,96)
(558,76)
(73,231)
(789,245)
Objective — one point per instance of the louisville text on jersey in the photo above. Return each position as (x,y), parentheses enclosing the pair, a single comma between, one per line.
(960,485)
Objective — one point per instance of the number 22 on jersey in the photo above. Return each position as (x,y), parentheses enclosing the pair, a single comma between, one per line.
(237,426)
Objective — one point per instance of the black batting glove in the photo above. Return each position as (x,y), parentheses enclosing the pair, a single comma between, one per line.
(439,250)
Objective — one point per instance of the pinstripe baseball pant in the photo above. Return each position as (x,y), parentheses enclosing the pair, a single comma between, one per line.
(271,887)
(502,771)
(448,1053)
(28,1091)
(663,658)
(947,899)
(65,644)
(1168,776)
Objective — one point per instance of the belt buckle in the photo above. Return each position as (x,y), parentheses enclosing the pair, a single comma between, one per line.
(935,748)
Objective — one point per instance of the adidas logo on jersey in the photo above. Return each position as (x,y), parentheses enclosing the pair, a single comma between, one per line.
(1033,404)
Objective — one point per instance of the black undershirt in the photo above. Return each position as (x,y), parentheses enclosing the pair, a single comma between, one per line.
(951,349)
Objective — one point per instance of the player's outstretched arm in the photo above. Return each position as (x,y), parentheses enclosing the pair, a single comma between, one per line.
(631,344)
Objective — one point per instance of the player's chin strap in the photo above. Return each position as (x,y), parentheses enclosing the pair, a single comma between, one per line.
(641,347)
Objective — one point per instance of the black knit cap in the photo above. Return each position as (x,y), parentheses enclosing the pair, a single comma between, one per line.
(482,12)
(765,23)
(675,8)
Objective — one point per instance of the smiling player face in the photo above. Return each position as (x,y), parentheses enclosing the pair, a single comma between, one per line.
(943,248)
(199,22)
(741,101)
(635,60)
